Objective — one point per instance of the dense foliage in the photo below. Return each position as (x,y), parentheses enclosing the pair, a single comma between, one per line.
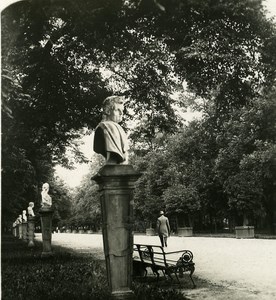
(86,210)
(60,59)
(209,175)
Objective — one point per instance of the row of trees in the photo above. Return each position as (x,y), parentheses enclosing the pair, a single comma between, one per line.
(60,59)
(202,176)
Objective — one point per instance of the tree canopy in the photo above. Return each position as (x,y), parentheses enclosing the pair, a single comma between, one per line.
(60,59)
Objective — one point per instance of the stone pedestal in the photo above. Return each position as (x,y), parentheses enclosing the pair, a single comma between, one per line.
(150,231)
(24,231)
(46,215)
(244,232)
(116,185)
(31,229)
(20,234)
(17,230)
(185,231)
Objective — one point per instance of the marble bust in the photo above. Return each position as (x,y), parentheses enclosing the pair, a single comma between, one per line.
(30,209)
(24,215)
(46,201)
(110,139)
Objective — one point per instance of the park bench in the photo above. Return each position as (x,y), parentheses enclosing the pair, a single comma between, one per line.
(154,257)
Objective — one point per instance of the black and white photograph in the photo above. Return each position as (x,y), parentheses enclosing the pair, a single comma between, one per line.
(138,149)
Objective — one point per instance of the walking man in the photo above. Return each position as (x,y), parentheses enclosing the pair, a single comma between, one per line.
(163,228)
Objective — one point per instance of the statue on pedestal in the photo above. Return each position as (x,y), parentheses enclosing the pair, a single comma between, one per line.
(46,201)
(24,216)
(30,209)
(19,219)
(110,139)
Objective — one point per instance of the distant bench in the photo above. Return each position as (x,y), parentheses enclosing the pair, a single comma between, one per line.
(176,262)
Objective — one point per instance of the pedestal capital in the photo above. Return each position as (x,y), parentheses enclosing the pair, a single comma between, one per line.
(31,219)
(46,210)
(112,176)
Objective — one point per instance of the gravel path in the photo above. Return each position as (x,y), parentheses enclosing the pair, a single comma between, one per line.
(226,268)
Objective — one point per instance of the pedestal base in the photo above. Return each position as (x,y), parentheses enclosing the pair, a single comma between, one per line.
(150,231)
(47,254)
(185,231)
(244,232)
(123,295)
(31,244)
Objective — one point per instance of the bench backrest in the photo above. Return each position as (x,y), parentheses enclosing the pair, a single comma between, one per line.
(154,254)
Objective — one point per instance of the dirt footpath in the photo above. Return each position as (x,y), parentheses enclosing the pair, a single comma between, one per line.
(226,268)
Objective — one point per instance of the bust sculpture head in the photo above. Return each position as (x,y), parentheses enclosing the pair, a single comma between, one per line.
(113,108)
(46,201)
(30,209)
(110,139)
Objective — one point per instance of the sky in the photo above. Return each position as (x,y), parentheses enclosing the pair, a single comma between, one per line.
(74,177)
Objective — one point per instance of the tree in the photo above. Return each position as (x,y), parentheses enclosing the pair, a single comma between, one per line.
(182,201)
(150,186)
(67,56)
(86,209)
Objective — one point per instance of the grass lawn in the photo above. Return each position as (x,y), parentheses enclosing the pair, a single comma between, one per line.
(66,275)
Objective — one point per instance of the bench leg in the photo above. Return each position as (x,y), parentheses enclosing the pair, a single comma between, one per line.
(169,274)
(155,272)
(177,276)
(139,269)
(191,273)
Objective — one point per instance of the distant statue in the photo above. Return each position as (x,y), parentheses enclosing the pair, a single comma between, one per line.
(46,201)
(110,139)
(19,219)
(24,215)
(30,209)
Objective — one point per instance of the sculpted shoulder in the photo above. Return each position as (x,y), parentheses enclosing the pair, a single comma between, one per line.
(110,139)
